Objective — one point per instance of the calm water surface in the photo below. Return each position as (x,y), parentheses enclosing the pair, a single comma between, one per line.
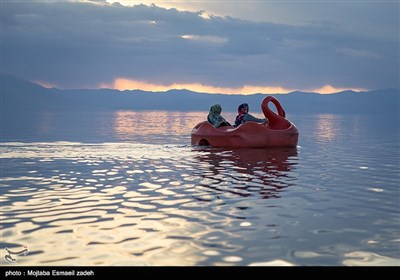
(127,188)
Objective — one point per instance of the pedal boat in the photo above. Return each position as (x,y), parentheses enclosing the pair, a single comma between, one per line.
(279,132)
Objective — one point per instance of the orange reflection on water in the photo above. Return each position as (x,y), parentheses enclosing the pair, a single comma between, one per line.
(132,123)
(45,122)
(327,127)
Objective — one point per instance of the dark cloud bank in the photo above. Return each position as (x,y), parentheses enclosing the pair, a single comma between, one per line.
(80,45)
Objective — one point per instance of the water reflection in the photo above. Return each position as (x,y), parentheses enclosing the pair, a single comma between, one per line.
(247,171)
(131,125)
(159,127)
(327,127)
(74,195)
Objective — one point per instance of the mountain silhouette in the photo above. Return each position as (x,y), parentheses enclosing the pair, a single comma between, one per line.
(19,95)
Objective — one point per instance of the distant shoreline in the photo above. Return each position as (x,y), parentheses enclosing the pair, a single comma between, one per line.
(19,95)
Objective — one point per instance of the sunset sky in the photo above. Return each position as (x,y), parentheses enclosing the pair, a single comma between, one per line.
(207,46)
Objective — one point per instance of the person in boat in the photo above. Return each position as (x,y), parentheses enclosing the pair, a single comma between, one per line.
(214,117)
(244,116)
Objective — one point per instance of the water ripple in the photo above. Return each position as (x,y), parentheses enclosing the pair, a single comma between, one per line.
(138,204)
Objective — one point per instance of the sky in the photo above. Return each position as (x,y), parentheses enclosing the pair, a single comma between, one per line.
(240,47)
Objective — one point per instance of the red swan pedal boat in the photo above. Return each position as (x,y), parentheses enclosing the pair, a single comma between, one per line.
(279,132)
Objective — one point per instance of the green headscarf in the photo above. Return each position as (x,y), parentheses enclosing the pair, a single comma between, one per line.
(215,118)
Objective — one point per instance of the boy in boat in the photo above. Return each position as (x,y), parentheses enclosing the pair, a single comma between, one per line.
(244,116)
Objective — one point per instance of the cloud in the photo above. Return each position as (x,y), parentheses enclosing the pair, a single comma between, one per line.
(84,44)
(128,84)
(358,53)
(214,40)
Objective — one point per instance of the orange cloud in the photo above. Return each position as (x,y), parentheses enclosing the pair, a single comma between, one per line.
(328,89)
(45,84)
(128,84)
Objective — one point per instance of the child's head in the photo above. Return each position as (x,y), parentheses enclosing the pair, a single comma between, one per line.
(243,108)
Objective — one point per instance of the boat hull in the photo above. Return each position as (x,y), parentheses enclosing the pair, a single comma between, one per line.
(247,135)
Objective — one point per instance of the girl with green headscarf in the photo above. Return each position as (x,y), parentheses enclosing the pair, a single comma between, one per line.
(215,118)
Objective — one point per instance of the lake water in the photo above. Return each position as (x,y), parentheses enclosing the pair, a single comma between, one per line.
(127,188)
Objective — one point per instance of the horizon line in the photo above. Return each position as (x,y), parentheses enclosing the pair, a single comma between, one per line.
(122,84)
